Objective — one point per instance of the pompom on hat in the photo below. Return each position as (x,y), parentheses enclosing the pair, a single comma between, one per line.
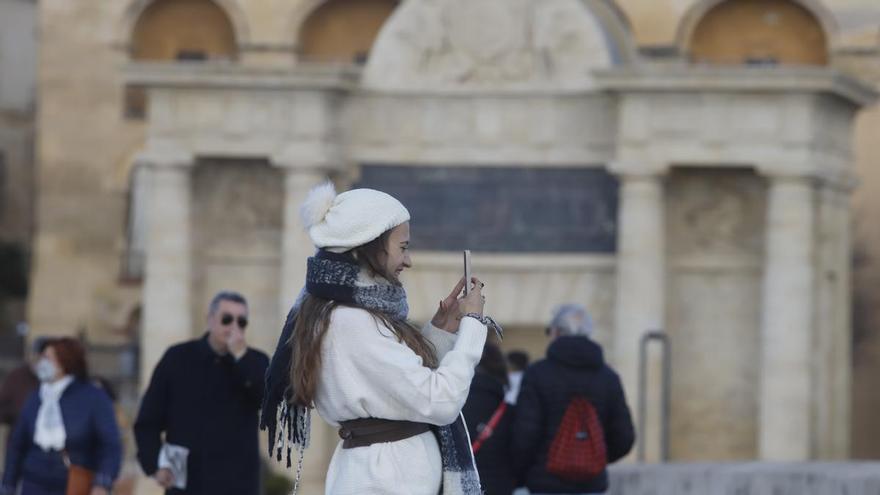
(340,222)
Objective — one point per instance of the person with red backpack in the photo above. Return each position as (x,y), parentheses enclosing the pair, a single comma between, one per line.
(571,418)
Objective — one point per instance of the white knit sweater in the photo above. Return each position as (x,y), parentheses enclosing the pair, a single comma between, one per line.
(367,373)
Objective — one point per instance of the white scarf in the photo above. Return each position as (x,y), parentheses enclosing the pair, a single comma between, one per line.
(50,433)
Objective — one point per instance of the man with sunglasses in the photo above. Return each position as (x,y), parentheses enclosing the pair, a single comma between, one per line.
(204,396)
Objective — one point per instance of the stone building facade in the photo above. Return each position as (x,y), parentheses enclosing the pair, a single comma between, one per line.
(681,165)
(18,55)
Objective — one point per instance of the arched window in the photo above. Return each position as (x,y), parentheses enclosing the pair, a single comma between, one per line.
(192,30)
(343,30)
(183,30)
(759,32)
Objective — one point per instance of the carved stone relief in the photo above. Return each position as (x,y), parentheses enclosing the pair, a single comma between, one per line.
(715,213)
(237,208)
(497,43)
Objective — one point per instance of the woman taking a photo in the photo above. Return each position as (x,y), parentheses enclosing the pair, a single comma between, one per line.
(67,427)
(347,349)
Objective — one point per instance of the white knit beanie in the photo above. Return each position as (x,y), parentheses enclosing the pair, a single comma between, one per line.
(341,222)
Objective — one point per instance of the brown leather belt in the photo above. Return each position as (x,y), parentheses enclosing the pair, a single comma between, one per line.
(367,431)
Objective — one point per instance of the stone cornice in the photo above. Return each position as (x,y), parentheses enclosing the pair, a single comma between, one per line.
(221,75)
(776,79)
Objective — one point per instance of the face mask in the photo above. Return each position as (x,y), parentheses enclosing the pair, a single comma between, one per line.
(46,370)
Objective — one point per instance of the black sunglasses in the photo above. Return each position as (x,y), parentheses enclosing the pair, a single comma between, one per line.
(227,318)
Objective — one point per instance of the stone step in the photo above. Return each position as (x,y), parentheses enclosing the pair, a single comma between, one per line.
(754,478)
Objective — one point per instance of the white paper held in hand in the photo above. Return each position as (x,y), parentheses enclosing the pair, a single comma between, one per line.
(467,271)
(173,457)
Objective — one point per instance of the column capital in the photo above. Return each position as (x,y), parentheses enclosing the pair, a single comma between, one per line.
(635,170)
(844,183)
(840,180)
(166,157)
(790,170)
(309,156)
(784,178)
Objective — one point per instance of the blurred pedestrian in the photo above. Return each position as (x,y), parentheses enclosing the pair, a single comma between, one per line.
(20,383)
(489,418)
(203,398)
(121,418)
(571,415)
(517,362)
(67,432)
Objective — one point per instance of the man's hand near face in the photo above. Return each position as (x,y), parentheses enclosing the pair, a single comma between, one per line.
(236,343)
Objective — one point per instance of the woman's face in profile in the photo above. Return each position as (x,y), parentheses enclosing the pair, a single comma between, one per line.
(398,250)
(51,367)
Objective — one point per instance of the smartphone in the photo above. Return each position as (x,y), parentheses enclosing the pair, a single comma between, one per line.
(467,271)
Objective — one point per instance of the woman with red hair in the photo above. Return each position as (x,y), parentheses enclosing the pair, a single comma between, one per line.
(67,425)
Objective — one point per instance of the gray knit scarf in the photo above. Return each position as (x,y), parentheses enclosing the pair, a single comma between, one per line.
(334,277)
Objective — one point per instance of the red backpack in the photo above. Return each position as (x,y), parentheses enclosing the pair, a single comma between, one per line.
(577,452)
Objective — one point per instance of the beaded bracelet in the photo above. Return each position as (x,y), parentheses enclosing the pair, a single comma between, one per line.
(489,322)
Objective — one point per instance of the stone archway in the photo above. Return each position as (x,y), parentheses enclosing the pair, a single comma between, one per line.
(341,30)
(136,8)
(797,32)
(183,30)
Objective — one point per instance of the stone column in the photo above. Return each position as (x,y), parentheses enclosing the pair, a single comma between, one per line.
(167,317)
(839,445)
(641,279)
(786,322)
(830,349)
(296,246)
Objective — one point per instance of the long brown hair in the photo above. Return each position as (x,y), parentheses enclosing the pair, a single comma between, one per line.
(313,320)
(71,356)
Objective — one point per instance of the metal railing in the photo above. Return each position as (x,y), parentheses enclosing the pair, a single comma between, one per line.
(663,339)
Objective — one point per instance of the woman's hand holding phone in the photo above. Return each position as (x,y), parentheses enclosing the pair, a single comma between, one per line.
(474,301)
(453,307)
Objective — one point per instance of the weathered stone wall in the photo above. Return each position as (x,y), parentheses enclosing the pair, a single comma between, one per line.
(18,56)
(715,222)
(237,240)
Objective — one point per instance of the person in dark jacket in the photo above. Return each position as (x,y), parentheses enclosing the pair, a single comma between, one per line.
(204,395)
(19,384)
(67,420)
(485,397)
(517,362)
(574,366)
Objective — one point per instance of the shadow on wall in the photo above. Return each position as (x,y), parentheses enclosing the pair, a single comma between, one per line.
(865,354)
(14,268)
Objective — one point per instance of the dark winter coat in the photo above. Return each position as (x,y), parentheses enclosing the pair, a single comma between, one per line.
(207,403)
(574,365)
(93,441)
(15,390)
(493,458)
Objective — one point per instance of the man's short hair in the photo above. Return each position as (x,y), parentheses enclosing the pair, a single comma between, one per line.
(38,345)
(572,319)
(518,360)
(225,295)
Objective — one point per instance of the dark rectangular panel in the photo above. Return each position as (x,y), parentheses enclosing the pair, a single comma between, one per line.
(504,209)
